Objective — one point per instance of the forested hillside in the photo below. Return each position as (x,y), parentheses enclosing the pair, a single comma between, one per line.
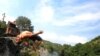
(91,48)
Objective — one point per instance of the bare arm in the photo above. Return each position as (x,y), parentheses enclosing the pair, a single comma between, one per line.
(40,32)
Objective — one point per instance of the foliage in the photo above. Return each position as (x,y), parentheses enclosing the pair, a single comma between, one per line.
(91,48)
(24,23)
(2,27)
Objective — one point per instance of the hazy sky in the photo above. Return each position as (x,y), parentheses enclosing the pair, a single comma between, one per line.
(63,21)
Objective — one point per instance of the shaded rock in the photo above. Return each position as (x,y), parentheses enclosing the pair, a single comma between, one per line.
(8,48)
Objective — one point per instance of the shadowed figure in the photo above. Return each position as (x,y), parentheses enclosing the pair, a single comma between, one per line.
(11,29)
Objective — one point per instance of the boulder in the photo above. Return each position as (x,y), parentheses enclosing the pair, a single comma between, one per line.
(8,48)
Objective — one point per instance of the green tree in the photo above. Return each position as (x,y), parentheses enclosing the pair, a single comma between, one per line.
(2,27)
(24,23)
(66,50)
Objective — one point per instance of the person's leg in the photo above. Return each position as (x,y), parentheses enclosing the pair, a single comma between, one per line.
(38,43)
(37,40)
(10,31)
(34,47)
(7,30)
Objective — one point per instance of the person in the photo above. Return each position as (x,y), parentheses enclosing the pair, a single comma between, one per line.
(26,34)
(32,36)
(11,29)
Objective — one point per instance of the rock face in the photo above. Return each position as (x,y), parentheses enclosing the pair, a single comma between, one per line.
(8,48)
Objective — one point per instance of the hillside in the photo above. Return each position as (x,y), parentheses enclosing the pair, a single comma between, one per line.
(91,48)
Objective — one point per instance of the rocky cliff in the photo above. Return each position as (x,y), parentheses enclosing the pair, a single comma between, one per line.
(7,47)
